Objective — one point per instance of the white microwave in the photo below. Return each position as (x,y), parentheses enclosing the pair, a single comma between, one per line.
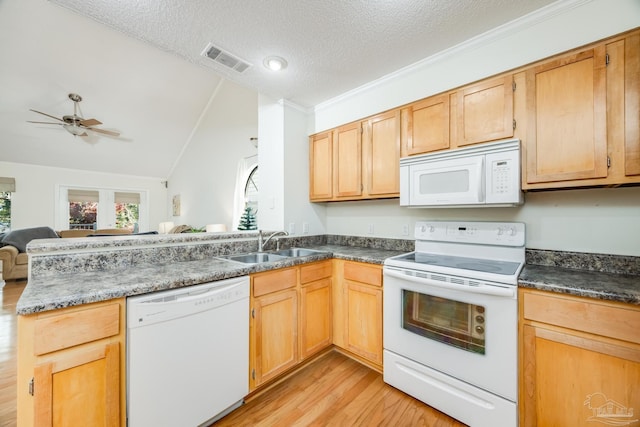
(480,175)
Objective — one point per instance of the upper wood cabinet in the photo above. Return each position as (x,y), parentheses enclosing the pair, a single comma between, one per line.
(425,125)
(320,166)
(347,161)
(484,111)
(567,121)
(577,115)
(361,159)
(583,116)
(381,155)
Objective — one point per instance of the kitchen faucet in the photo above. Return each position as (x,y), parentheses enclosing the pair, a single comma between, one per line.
(262,242)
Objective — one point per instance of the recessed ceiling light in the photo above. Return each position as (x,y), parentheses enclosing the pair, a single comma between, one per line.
(275,63)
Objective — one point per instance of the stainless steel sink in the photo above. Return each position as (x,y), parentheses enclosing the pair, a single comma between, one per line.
(255,258)
(295,252)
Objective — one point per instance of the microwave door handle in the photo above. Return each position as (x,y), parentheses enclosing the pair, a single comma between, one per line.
(481,289)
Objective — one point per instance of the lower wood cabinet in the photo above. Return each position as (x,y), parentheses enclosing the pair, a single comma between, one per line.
(316,325)
(290,319)
(580,361)
(71,366)
(358,310)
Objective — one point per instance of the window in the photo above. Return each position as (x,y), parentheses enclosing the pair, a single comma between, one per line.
(5,211)
(91,209)
(251,190)
(7,186)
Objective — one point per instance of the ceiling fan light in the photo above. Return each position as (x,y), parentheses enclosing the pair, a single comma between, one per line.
(75,130)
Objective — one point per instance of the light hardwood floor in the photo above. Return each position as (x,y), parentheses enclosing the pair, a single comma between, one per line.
(9,294)
(332,391)
(336,391)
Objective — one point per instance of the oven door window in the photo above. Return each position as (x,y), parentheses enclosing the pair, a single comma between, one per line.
(450,322)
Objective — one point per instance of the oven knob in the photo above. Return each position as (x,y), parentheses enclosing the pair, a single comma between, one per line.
(479,309)
(479,319)
(431,229)
(479,329)
(512,231)
(423,229)
(500,231)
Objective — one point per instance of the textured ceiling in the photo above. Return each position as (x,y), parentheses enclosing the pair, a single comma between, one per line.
(138,64)
(332,46)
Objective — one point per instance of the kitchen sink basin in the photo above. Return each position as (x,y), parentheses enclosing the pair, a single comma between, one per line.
(255,258)
(295,252)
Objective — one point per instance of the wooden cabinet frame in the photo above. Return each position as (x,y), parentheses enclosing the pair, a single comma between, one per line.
(593,343)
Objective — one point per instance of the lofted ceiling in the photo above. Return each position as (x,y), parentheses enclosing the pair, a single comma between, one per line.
(139,67)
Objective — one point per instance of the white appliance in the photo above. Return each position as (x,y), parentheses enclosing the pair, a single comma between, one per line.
(187,354)
(480,175)
(450,319)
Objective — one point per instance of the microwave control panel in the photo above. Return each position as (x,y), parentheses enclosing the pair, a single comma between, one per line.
(503,177)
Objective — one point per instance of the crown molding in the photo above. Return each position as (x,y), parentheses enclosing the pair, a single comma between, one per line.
(513,27)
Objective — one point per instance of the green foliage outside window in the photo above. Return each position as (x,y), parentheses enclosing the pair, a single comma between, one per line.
(5,211)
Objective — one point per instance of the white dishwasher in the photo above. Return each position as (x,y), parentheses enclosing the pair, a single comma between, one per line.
(187,354)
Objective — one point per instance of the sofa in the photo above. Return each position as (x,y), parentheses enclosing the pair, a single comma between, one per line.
(13,246)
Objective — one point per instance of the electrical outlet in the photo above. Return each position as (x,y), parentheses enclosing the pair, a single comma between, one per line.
(305,228)
(371,228)
(405,230)
(292,228)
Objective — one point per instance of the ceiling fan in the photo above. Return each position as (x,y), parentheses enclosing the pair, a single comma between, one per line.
(74,123)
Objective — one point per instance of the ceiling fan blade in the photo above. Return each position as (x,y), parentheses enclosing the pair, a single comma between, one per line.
(106,132)
(48,115)
(90,122)
(45,123)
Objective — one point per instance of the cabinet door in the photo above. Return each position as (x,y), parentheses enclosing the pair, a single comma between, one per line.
(632,104)
(381,155)
(274,334)
(364,321)
(80,386)
(426,125)
(320,167)
(571,380)
(347,160)
(315,317)
(566,118)
(485,111)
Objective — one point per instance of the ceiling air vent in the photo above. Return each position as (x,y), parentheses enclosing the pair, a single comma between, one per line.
(225,58)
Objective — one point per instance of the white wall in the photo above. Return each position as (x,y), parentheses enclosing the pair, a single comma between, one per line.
(33,203)
(605,220)
(205,174)
(588,220)
(271,160)
(284,170)
(300,216)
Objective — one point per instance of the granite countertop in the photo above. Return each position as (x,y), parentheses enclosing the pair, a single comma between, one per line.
(66,290)
(594,284)
(84,273)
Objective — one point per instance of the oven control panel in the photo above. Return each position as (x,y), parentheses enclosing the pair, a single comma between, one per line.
(475,232)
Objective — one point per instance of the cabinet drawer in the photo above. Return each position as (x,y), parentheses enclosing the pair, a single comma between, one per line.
(363,273)
(273,281)
(316,271)
(74,327)
(595,317)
